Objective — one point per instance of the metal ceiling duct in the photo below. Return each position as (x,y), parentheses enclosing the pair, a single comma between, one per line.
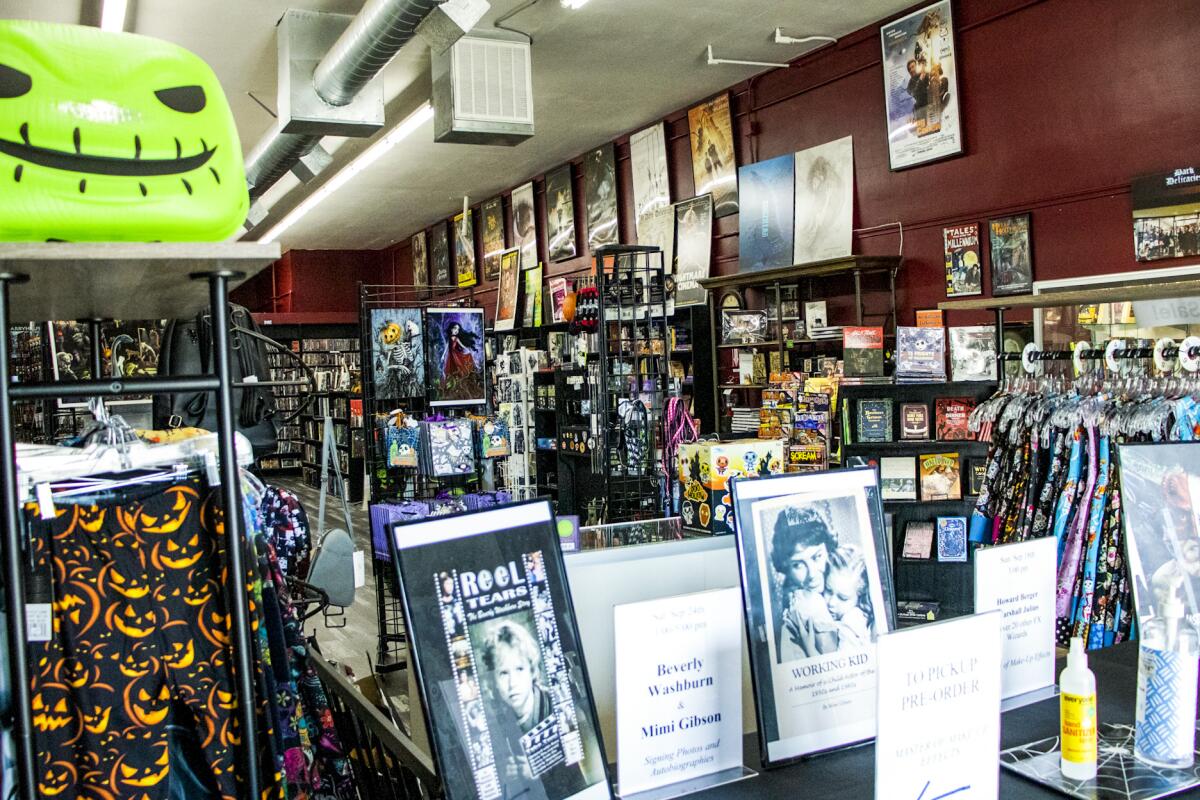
(372,39)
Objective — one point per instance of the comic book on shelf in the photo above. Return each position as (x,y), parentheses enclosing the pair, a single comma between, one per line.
(863,354)
(940,476)
(951,416)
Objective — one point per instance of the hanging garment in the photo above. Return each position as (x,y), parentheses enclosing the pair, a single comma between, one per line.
(141,642)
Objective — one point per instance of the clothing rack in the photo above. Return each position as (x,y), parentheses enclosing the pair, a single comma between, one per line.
(93,282)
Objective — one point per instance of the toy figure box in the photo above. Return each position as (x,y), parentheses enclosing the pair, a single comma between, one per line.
(704,470)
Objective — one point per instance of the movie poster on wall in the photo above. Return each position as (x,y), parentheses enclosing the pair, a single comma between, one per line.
(813,549)
(492,234)
(397,353)
(1011,254)
(420,259)
(714,165)
(964,267)
(498,656)
(506,294)
(600,196)
(920,81)
(693,249)
(439,258)
(824,201)
(525,225)
(464,249)
(648,159)
(766,223)
(1166,214)
(455,362)
(560,214)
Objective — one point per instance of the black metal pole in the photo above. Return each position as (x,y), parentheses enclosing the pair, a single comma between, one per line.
(238,603)
(14,574)
(97,349)
(114,386)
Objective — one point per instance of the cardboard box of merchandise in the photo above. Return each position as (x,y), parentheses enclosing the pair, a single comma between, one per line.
(704,470)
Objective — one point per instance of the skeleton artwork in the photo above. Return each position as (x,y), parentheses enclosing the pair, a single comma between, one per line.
(399,355)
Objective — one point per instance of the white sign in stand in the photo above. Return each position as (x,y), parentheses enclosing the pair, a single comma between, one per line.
(939,711)
(679,694)
(1018,580)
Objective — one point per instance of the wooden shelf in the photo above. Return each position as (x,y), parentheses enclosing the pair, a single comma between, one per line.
(741,386)
(815,269)
(748,345)
(1159,290)
(122,280)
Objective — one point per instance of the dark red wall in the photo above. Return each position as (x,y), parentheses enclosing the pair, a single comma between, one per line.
(1064,102)
(311,281)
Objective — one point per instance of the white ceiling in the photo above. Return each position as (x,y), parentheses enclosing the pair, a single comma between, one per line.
(601,71)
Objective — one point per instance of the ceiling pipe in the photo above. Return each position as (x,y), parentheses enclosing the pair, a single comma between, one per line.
(375,35)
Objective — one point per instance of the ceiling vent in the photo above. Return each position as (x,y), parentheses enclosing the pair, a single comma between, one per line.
(483,90)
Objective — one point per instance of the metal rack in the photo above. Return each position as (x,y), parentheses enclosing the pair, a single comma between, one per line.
(94,282)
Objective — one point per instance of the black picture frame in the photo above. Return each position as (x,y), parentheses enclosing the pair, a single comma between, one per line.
(560,214)
(1005,286)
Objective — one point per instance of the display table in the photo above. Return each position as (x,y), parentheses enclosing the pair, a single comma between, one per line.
(850,774)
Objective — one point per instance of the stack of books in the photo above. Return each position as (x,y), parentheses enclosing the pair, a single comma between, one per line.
(920,355)
(825,332)
(745,421)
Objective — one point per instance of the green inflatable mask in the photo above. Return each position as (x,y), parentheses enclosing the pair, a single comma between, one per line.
(113,137)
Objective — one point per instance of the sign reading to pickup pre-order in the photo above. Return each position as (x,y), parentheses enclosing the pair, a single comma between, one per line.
(679,688)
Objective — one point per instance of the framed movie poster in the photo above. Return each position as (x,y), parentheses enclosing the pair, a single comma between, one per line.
(439,258)
(420,262)
(506,294)
(532,316)
(455,362)
(397,353)
(648,159)
(964,267)
(765,228)
(813,558)
(498,657)
(920,87)
(1012,255)
(1166,214)
(560,214)
(600,197)
(492,236)
(714,164)
(1159,484)
(464,249)
(693,249)
(824,201)
(525,225)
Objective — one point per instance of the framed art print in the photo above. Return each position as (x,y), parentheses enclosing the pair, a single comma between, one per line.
(498,657)
(455,356)
(464,249)
(743,327)
(560,214)
(439,258)
(693,249)
(525,225)
(509,289)
(920,87)
(814,559)
(1012,255)
(714,164)
(532,313)
(824,207)
(600,196)
(964,267)
(766,223)
(492,234)
(648,159)
(397,353)
(420,261)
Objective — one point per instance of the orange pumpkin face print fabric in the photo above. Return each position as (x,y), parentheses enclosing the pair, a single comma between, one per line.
(140,642)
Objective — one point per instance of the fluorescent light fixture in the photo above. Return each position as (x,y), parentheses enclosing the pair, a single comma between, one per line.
(112,18)
(573,4)
(365,159)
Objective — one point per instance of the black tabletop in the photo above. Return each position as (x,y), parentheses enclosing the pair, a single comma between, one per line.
(850,774)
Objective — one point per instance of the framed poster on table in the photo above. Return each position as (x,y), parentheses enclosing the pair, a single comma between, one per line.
(817,591)
(920,87)
(498,657)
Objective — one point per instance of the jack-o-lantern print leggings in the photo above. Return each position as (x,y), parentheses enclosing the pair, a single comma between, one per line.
(140,642)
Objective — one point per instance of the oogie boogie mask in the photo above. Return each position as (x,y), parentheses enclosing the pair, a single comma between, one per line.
(113,136)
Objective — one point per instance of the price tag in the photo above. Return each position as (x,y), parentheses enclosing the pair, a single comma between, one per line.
(39,622)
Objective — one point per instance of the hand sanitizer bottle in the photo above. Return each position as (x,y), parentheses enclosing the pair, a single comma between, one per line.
(1077,715)
(1165,730)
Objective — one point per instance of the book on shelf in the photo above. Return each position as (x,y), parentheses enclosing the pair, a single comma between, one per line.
(929,318)
(898,478)
(941,476)
(920,354)
(951,417)
(976,475)
(952,538)
(973,353)
(874,421)
(918,540)
(862,351)
(909,612)
(914,421)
